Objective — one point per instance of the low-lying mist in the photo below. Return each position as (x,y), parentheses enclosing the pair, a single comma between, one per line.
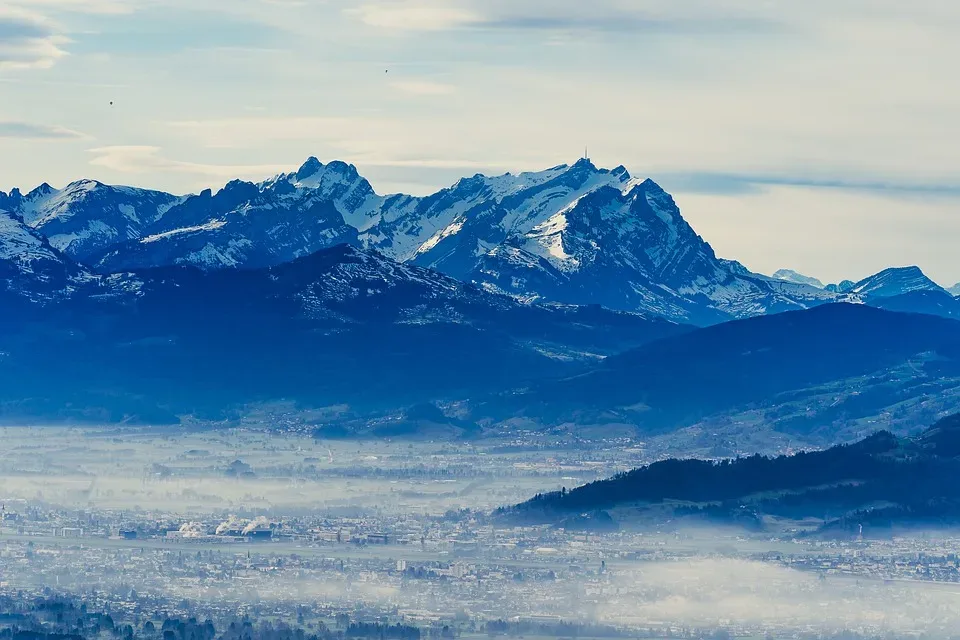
(721,592)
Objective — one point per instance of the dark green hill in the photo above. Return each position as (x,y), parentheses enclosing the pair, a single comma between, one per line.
(881,480)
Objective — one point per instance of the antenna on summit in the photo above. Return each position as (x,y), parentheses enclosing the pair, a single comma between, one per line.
(586,156)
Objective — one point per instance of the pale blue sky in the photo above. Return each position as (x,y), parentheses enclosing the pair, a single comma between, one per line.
(819,135)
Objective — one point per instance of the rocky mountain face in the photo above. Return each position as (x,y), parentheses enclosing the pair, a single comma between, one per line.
(31,270)
(573,234)
(622,244)
(249,225)
(86,216)
(310,286)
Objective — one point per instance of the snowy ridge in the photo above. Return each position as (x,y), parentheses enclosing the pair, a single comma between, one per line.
(895,281)
(789,275)
(336,182)
(573,234)
(86,216)
(251,225)
(209,226)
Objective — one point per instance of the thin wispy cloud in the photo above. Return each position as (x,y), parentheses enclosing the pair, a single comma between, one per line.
(147,159)
(730,183)
(415,15)
(565,15)
(33,131)
(101,7)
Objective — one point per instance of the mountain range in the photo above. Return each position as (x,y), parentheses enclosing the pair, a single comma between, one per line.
(338,326)
(574,234)
(132,304)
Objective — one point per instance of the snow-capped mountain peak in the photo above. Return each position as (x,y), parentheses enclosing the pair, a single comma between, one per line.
(336,182)
(40,191)
(573,233)
(87,215)
(895,281)
(789,275)
(309,168)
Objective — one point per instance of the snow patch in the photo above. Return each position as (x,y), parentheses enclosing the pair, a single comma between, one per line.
(209,226)
(446,232)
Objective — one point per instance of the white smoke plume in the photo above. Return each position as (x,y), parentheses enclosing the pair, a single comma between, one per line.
(192,530)
(233,523)
(260,522)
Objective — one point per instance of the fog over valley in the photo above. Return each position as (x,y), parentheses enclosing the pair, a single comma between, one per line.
(479,320)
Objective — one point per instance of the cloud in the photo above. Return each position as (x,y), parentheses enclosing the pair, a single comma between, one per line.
(134,159)
(100,7)
(632,23)
(32,131)
(423,87)
(28,40)
(733,183)
(707,593)
(370,141)
(415,15)
(565,15)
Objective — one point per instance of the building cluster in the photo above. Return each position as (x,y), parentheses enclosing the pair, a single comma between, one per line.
(461,571)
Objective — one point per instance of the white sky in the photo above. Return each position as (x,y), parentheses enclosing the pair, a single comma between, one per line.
(820,135)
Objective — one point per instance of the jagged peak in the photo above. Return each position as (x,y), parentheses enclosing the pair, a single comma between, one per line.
(43,190)
(650,185)
(343,168)
(636,186)
(309,168)
(84,184)
(473,182)
(86,181)
(314,173)
(239,189)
